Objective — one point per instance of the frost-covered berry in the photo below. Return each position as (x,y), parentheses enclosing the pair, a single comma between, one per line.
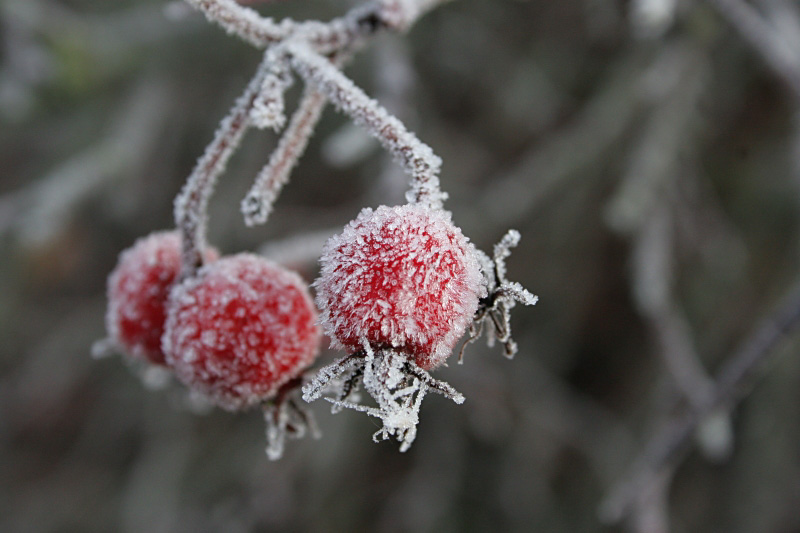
(240,329)
(402,277)
(138,289)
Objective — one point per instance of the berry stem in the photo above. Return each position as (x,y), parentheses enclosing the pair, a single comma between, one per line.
(257,205)
(191,204)
(416,157)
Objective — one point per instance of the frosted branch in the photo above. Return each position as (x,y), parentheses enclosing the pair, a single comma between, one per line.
(268,106)
(417,158)
(336,35)
(192,202)
(244,22)
(257,205)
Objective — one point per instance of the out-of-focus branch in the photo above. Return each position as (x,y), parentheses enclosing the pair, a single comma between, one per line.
(557,162)
(732,383)
(39,212)
(765,39)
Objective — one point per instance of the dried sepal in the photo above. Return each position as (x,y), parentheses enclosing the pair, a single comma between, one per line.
(286,419)
(393,380)
(502,296)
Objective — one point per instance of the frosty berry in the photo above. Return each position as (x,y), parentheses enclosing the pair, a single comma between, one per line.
(137,293)
(401,277)
(240,329)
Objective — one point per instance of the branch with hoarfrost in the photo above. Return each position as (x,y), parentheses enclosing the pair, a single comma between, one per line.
(268,107)
(243,22)
(191,204)
(416,157)
(336,35)
(731,385)
(257,205)
(301,45)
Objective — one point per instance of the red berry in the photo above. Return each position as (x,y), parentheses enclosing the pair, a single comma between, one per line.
(240,329)
(138,289)
(404,277)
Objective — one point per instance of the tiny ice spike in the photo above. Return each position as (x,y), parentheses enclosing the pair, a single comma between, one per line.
(240,329)
(400,277)
(138,289)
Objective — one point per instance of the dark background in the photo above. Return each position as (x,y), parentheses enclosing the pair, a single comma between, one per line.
(651,165)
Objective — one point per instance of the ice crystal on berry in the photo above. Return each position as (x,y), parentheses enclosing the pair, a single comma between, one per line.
(402,277)
(397,288)
(137,294)
(240,329)
(396,383)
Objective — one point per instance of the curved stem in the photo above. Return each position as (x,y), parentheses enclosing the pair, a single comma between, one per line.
(191,204)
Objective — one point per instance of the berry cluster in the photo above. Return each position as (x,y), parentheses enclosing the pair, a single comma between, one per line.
(240,331)
(397,288)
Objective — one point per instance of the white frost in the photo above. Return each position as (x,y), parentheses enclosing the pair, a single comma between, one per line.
(395,382)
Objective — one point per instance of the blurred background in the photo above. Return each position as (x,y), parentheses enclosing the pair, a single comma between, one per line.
(645,149)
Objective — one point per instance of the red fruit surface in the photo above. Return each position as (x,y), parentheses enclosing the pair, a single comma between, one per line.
(240,329)
(404,277)
(138,289)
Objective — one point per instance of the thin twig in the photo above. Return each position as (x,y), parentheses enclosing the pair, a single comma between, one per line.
(732,383)
(257,205)
(244,22)
(336,35)
(764,39)
(192,202)
(416,157)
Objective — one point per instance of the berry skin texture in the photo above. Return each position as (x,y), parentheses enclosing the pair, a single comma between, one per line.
(403,277)
(138,289)
(240,329)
